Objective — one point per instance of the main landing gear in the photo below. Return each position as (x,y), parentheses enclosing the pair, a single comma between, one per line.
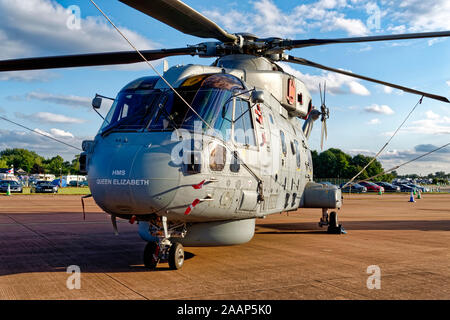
(331,220)
(160,247)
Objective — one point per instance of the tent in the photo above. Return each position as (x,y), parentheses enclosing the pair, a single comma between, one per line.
(63,182)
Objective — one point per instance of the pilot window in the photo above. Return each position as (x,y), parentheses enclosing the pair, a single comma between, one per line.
(131,110)
(243,126)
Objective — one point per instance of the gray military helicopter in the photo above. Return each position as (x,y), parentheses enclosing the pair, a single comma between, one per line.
(195,156)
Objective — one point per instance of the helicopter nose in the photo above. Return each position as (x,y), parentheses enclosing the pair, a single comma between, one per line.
(135,177)
(159,179)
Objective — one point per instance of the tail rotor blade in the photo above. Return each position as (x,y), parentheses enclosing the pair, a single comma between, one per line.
(320,91)
(321,136)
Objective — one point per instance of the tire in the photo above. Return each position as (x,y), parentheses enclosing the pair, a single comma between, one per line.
(176,256)
(149,261)
(333,220)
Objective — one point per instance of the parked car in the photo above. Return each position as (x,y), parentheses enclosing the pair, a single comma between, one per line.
(84,184)
(405,188)
(371,187)
(44,187)
(74,183)
(353,187)
(388,187)
(14,186)
(327,183)
(418,187)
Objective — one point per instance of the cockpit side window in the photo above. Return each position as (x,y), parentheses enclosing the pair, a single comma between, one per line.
(244,132)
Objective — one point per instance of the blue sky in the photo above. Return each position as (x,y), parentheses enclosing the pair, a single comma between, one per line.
(363,115)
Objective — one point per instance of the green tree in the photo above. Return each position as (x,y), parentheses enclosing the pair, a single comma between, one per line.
(37,169)
(334,163)
(55,165)
(20,158)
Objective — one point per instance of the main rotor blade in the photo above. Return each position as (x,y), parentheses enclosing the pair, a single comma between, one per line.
(351,74)
(317,42)
(181,17)
(90,59)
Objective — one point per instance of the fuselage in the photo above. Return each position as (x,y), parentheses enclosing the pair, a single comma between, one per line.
(154,155)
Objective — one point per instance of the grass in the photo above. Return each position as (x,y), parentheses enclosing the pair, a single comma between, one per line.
(67,190)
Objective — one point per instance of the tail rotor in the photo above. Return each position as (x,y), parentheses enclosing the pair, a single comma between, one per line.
(325,114)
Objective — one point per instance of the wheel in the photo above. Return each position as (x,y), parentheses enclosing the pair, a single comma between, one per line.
(333,220)
(150,250)
(176,256)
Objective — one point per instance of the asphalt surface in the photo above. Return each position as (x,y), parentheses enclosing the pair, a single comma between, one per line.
(290,257)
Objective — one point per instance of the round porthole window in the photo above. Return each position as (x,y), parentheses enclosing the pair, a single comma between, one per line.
(217,157)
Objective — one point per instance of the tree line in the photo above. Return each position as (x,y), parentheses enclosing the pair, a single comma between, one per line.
(334,163)
(32,163)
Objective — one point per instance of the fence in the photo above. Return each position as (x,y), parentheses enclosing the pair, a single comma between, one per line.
(335,181)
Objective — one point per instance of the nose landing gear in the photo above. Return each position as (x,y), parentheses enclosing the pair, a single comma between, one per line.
(159,247)
(155,253)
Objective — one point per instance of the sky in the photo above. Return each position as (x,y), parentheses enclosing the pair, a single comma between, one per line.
(363,115)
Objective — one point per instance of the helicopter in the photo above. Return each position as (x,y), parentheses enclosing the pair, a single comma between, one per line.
(196,155)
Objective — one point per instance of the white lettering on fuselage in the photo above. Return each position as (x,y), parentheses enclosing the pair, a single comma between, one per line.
(123,182)
(118,172)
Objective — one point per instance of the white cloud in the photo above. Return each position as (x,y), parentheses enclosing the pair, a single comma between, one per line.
(354,27)
(432,124)
(27,76)
(48,117)
(437,161)
(374,121)
(336,83)
(268,20)
(383,109)
(431,115)
(68,100)
(422,16)
(41,145)
(55,133)
(387,89)
(61,133)
(357,88)
(39,27)
(448,82)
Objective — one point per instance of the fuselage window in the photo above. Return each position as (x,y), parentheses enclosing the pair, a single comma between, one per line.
(283,143)
(243,126)
(217,158)
(297,153)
